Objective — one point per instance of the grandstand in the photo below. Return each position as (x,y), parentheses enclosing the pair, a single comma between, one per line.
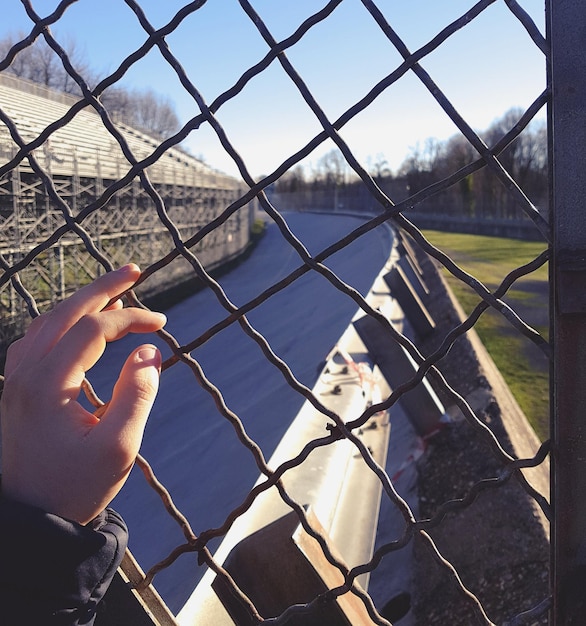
(74,164)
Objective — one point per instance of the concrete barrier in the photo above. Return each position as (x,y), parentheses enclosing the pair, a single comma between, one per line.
(334,481)
(421,404)
(342,492)
(412,306)
(267,553)
(405,249)
(414,277)
(299,574)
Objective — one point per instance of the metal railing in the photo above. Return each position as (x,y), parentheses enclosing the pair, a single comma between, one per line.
(564,95)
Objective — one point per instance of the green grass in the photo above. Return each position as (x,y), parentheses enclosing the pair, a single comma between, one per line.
(522,364)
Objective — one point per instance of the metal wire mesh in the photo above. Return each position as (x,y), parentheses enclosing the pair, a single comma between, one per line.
(72,225)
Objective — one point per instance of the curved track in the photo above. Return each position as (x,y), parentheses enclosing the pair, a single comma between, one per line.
(192,448)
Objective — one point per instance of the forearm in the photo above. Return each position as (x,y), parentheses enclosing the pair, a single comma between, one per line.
(54,571)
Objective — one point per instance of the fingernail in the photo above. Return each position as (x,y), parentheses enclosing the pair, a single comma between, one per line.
(162,317)
(150,355)
(129,267)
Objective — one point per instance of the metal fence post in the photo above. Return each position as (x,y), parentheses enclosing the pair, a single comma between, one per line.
(567,23)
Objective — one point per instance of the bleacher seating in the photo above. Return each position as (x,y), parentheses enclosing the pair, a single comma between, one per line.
(84,147)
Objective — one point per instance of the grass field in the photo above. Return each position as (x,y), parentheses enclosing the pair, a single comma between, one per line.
(524,367)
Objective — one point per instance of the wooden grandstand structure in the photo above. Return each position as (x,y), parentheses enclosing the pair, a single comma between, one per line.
(75,165)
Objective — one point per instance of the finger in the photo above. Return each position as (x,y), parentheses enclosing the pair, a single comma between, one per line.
(89,299)
(83,344)
(18,349)
(14,356)
(117,304)
(123,422)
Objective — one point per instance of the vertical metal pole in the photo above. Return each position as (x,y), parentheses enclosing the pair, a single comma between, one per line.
(567,30)
(62,271)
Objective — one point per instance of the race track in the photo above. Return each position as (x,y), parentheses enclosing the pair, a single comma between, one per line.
(193,449)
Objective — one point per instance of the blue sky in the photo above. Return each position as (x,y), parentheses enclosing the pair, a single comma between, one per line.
(488,67)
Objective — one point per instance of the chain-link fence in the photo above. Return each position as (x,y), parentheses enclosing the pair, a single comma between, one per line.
(62,226)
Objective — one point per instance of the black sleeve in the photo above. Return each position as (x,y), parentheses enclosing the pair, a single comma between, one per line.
(54,572)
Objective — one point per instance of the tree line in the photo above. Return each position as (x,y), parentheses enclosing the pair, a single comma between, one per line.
(478,195)
(330,183)
(141,108)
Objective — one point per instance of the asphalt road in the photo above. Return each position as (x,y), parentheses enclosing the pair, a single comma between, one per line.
(193,449)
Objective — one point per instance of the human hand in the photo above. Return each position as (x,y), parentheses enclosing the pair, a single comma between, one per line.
(57,455)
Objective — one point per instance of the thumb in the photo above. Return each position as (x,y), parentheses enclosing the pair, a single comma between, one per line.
(132,398)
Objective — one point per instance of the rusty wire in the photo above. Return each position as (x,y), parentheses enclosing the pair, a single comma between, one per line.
(390,211)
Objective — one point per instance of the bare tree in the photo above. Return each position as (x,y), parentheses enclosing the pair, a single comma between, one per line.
(525,158)
(292,181)
(155,113)
(143,109)
(481,194)
(333,167)
(422,165)
(379,166)
(39,63)
(458,152)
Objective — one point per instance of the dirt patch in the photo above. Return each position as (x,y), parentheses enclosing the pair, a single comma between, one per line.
(498,544)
